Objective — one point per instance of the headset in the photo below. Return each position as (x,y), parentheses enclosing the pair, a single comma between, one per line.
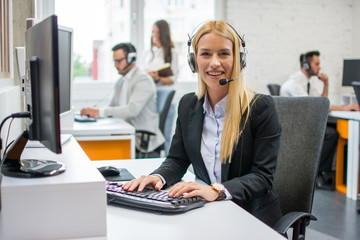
(304,59)
(131,55)
(305,65)
(191,55)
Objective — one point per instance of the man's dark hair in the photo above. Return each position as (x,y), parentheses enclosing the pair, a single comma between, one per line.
(307,57)
(126,47)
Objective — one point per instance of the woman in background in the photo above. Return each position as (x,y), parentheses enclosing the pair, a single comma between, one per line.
(162,51)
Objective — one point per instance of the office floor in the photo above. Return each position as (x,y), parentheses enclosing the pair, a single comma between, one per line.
(337,217)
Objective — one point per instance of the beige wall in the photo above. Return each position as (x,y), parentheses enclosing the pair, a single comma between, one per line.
(22,9)
(356,32)
(10,96)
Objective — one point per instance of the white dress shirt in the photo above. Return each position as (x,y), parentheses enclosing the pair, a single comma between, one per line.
(154,60)
(297,85)
(211,139)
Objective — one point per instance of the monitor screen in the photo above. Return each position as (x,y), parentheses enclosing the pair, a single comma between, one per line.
(351,71)
(42,61)
(65,67)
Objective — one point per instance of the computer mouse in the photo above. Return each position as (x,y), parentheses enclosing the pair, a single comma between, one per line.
(108,171)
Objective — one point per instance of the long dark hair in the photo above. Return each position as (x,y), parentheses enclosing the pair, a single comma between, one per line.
(165,39)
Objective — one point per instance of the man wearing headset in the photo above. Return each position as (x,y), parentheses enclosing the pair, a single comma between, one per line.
(134,98)
(301,84)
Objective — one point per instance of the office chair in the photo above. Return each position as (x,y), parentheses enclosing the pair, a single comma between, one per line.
(303,122)
(274,89)
(164,99)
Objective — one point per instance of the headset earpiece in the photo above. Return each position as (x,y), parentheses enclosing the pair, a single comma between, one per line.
(131,55)
(191,56)
(306,66)
(191,62)
(242,60)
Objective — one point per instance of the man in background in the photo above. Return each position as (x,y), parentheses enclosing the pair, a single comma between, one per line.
(134,98)
(301,83)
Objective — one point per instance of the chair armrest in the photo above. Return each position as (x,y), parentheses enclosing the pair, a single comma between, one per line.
(144,132)
(144,139)
(292,218)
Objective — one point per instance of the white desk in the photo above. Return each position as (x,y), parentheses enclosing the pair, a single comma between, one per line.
(107,138)
(216,220)
(69,205)
(352,179)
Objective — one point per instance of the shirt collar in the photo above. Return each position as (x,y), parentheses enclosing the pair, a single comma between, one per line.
(220,107)
(130,74)
(155,48)
(304,75)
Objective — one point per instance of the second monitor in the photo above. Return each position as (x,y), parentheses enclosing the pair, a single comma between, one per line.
(351,71)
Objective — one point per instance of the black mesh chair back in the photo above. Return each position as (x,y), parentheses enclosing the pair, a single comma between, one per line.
(274,89)
(303,121)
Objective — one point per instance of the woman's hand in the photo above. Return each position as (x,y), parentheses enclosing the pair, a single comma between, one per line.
(141,182)
(194,189)
(154,75)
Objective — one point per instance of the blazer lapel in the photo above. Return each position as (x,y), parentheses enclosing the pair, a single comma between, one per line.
(196,117)
(225,167)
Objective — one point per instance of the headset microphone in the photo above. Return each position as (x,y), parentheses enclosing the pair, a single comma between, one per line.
(224,81)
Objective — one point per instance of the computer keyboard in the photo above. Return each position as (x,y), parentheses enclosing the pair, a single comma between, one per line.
(150,199)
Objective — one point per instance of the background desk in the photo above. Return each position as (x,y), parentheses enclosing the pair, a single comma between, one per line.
(352,171)
(107,138)
(216,220)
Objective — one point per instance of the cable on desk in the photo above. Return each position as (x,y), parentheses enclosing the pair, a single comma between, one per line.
(12,116)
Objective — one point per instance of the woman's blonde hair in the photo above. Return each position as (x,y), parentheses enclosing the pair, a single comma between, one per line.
(239,95)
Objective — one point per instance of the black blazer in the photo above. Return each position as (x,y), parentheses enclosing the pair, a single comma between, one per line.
(249,176)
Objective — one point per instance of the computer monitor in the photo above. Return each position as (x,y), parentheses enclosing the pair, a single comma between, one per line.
(351,71)
(65,68)
(42,101)
(65,36)
(356,86)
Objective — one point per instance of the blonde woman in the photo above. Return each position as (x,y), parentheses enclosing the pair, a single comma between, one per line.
(228,133)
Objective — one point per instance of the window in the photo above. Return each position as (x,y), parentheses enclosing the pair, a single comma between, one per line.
(104,23)
(183,16)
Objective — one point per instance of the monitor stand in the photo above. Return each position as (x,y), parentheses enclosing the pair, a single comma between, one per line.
(13,166)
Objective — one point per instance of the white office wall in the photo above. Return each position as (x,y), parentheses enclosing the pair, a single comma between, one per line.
(278,31)
(10,102)
(356,28)
(10,96)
